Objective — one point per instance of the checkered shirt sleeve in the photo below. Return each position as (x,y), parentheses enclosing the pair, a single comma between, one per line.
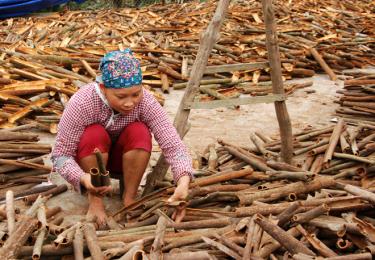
(174,150)
(71,127)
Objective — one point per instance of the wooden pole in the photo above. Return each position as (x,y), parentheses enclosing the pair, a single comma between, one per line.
(277,83)
(209,38)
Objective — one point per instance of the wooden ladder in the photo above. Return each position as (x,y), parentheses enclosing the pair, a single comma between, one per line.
(200,68)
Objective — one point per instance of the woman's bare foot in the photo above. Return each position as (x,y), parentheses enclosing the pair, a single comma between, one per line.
(96,211)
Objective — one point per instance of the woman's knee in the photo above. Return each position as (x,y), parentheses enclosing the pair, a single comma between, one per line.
(136,136)
(94,136)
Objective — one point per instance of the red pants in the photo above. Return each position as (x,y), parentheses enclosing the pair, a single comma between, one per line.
(135,136)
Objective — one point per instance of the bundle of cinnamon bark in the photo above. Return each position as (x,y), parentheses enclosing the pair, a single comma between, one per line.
(22,166)
(357,99)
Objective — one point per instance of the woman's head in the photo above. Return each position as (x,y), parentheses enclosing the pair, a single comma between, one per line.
(123,100)
(121,80)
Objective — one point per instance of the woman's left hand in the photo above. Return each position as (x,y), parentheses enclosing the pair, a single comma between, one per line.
(180,193)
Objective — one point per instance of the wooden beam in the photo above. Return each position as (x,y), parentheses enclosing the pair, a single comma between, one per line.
(277,83)
(209,37)
(235,102)
(235,67)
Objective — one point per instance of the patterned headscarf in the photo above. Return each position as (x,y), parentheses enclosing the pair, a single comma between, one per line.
(120,69)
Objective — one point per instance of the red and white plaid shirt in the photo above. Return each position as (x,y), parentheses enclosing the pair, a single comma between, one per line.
(88,106)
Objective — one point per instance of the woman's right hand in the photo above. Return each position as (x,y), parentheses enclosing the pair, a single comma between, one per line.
(101,191)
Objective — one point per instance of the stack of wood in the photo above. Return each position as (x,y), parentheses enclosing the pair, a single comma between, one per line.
(22,167)
(358,99)
(40,103)
(36,93)
(33,224)
(53,54)
(245,204)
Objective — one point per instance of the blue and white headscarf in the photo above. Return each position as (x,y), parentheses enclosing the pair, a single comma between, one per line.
(120,69)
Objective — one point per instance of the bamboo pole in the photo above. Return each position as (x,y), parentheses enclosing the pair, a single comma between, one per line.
(32,191)
(220,178)
(9,135)
(25,164)
(88,68)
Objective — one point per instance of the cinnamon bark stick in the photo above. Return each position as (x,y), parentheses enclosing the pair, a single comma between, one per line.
(333,140)
(297,188)
(92,243)
(323,64)
(10,213)
(13,244)
(316,243)
(78,244)
(156,248)
(289,242)
(54,191)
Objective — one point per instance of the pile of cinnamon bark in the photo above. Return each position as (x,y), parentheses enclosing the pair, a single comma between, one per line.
(357,99)
(243,204)
(49,56)
(22,165)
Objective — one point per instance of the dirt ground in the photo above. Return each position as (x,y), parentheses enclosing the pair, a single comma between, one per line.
(230,124)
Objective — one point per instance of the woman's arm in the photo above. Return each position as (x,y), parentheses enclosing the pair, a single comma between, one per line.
(166,135)
(71,127)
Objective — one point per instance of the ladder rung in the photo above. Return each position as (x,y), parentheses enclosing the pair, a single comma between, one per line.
(235,102)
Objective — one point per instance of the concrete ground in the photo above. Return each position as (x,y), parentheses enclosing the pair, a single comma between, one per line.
(305,108)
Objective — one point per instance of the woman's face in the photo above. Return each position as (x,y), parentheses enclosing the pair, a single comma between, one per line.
(123,100)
